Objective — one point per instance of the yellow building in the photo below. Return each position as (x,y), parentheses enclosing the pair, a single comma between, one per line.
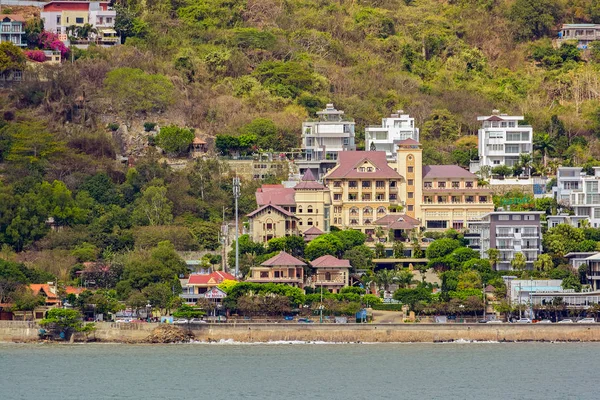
(313,203)
(284,211)
(271,221)
(331,274)
(409,163)
(363,188)
(451,197)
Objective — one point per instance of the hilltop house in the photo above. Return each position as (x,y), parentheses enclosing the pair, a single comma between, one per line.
(196,286)
(393,129)
(332,274)
(12,29)
(282,268)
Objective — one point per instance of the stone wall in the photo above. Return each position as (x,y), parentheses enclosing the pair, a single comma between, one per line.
(17,331)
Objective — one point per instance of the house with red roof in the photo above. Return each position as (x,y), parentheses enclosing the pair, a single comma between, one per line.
(197,285)
(282,268)
(332,274)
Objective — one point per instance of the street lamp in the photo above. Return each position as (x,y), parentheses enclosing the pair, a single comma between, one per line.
(236,196)
(148,311)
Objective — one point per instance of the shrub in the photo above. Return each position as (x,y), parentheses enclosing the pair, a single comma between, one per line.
(149,126)
(113,126)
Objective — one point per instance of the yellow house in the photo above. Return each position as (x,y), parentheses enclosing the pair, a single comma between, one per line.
(363,188)
(282,268)
(271,221)
(313,203)
(331,274)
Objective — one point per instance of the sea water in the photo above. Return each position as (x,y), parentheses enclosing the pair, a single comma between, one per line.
(293,371)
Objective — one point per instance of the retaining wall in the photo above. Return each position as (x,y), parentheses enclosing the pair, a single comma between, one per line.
(17,331)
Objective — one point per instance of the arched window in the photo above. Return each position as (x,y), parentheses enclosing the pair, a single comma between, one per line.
(309,222)
(367,221)
(309,209)
(354,211)
(327,276)
(353,222)
(300,210)
(381,210)
(367,211)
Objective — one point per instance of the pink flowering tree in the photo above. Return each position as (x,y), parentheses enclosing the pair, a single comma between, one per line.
(35,55)
(50,41)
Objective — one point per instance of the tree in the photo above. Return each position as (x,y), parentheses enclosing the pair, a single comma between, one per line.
(544,143)
(379,250)
(534,18)
(502,170)
(441,247)
(441,125)
(136,301)
(323,245)
(132,90)
(543,263)
(25,300)
(159,295)
(571,282)
(412,297)
(519,262)
(360,257)
(63,321)
(404,278)
(494,256)
(398,249)
(174,139)
(188,312)
(385,277)
(153,207)
(11,57)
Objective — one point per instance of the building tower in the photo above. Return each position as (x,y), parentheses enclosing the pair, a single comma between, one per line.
(410,166)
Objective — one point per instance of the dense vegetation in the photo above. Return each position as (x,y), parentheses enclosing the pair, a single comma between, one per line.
(245,74)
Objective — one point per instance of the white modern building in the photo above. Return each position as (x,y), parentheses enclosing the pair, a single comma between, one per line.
(396,127)
(579,191)
(510,232)
(502,140)
(323,138)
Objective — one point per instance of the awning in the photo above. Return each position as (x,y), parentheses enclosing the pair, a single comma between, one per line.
(112,31)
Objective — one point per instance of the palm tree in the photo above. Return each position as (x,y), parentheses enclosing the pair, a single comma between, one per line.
(493,256)
(538,168)
(385,278)
(544,143)
(367,280)
(525,161)
(84,31)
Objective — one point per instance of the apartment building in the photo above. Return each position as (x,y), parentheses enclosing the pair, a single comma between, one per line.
(323,139)
(60,16)
(502,140)
(583,34)
(397,127)
(12,29)
(510,232)
(577,190)
(363,187)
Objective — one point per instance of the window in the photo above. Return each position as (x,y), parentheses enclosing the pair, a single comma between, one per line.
(392,184)
(410,182)
(469,184)
(366,184)
(67,20)
(529,217)
(437,224)
(78,20)
(346,142)
(310,222)
(456,199)
(411,170)
(512,149)
(109,20)
(410,207)
(367,211)
(470,199)
(337,184)
(354,211)
(411,195)
(483,199)
(337,197)
(393,197)
(442,185)
(427,185)
(428,199)
(379,184)
(496,135)
(366,197)
(269,226)
(309,209)
(58,20)
(353,222)
(352,197)
(516,217)
(367,221)
(457,225)
(503,217)
(381,210)
(353,184)
(455,185)
(264,274)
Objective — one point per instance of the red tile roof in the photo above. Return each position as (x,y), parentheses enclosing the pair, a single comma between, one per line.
(277,208)
(446,171)
(212,279)
(407,142)
(350,161)
(313,230)
(398,221)
(275,194)
(309,182)
(329,261)
(198,141)
(37,288)
(13,17)
(282,259)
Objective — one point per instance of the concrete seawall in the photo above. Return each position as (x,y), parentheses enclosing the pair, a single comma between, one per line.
(17,331)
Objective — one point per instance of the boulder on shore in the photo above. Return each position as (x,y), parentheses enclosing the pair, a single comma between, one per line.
(169,334)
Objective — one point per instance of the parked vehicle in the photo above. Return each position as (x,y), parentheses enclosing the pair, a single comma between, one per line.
(124,320)
(587,321)
(524,321)
(304,321)
(496,321)
(180,321)
(197,321)
(565,321)
(545,321)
